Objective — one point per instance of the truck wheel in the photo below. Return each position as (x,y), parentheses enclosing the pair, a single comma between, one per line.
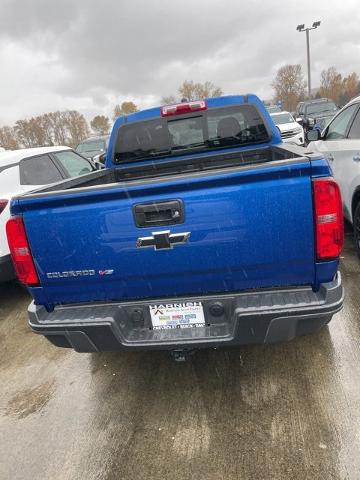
(357,228)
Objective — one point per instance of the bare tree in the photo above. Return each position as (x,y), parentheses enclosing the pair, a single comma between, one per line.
(331,84)
(24,134)
(168,100)
(46,125)
(8,139)
(190,91)
(54,128)
(37,132)
(350,88)
(289,86)
(124,109)
(100,124)
(207,90)
(198,91)
(57,123)
(77,127)
(32,132)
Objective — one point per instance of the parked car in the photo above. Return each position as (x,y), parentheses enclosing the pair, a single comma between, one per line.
(205,231)
(316,112)
(291,131)
(94,148)
(340,143)
(24,170)
(273,108)
(296,114)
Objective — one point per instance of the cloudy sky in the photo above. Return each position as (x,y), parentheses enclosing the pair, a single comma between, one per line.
(88,55)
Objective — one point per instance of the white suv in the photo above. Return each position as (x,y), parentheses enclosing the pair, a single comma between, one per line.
(340,143)
(290,130)
(24,170)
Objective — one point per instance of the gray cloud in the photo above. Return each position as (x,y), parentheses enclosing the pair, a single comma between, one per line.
(89,54)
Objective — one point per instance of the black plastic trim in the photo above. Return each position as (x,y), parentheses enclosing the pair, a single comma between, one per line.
(154,214)
(7,271)
(261,316)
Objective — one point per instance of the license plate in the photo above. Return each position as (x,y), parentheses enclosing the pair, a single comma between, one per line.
(177,315)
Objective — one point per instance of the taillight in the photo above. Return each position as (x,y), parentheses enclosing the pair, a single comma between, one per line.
(185,107)
(3,204)
(20,252)
(329,224)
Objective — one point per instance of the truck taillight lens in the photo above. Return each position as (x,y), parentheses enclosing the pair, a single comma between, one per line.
(329,223)
(3,204)
(185,107)
(20,252)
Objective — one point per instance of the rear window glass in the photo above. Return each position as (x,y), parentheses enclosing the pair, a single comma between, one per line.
(39,170)
(73,163)
(209,130)
(320,107)
(282,118)
(91,146)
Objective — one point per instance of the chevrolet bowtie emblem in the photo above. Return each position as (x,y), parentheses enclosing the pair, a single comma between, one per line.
(162,240)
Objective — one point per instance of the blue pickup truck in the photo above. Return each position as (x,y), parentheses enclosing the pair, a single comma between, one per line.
(204,230)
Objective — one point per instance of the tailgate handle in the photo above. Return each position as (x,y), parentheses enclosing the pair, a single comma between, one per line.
(159,213)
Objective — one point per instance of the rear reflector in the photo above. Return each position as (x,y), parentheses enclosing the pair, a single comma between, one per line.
(3,204)
(20,252)
(329,224)
(180,108)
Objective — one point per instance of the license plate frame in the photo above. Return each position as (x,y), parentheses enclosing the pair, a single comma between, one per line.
(172,316)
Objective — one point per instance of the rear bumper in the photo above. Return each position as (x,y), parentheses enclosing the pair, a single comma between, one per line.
(6,269)
(265,316)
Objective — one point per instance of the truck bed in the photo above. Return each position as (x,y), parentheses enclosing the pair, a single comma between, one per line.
(241,211)
(147,171)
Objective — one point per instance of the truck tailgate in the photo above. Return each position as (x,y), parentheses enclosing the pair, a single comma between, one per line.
(249,228)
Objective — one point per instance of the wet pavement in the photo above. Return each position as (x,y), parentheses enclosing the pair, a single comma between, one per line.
(289,411)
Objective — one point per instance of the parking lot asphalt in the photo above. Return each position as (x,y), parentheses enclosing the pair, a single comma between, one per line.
(287,411)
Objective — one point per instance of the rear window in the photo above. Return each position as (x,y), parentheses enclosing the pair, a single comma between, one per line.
(282,118)
(39,170)
(91,146)
(273,109)
(320,107)
(212,129)
(73,163)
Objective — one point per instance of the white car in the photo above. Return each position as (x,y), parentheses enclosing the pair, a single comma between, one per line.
(290,130)
(340,143)
(24,170)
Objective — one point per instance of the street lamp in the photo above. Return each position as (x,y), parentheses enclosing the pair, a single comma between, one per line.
(301,28)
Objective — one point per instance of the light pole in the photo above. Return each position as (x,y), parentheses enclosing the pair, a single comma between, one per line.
(301,28)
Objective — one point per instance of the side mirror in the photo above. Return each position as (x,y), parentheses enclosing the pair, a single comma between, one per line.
(313,135)
(299,120)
